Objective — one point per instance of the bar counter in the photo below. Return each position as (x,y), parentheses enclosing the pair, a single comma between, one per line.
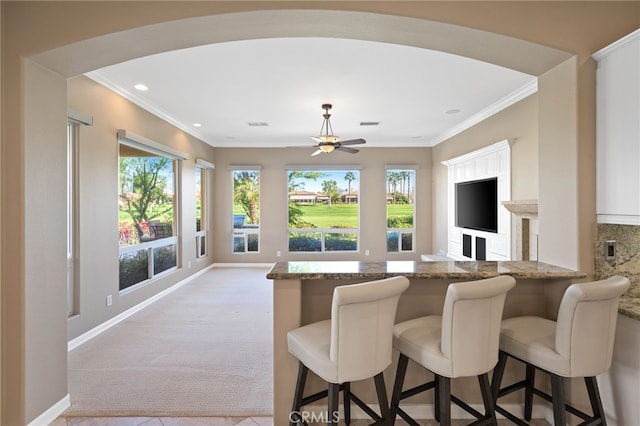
(455,269)
(302,293)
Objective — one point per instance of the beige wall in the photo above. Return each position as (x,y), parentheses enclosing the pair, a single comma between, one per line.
(567,164)
(518,123)
(98,209)
(273,206)
(29,28)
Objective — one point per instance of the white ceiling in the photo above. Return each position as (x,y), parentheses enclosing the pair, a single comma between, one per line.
(283,82)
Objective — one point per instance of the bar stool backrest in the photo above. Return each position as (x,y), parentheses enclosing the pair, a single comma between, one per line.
(586,324)
(471,321)
(362,319)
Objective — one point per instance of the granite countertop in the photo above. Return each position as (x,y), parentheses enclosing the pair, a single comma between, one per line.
(336,270)
(630,307)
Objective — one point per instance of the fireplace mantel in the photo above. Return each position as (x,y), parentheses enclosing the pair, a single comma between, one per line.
(525,208)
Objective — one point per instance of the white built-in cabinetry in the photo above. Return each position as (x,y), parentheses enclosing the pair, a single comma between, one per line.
(489,162)
(618,132)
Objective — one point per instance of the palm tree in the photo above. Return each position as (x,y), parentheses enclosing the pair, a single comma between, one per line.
(393,179)
(246,192)
(349,177)
(404,175)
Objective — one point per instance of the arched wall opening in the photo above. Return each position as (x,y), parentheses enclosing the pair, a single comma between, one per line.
(36,343)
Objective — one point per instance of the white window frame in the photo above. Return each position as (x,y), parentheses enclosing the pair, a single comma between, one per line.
(326,231)
(203,167)
(401,231)
(75,119)
(245,233)
(143,144)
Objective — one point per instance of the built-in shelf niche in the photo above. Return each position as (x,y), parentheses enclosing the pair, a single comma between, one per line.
(493,161)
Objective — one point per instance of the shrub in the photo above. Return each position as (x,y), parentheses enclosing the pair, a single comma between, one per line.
(134,268)
(400,221)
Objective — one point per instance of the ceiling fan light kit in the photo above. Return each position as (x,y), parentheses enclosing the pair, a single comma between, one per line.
(327,141)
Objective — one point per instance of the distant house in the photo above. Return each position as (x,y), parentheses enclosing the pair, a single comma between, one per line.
(322,198)
(349,197)
(303,197)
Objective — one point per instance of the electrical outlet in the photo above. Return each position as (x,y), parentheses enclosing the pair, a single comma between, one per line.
(278,253)
(109,300)
(610,250)
(366,252)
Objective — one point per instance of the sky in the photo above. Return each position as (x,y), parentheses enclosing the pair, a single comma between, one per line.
(338,176)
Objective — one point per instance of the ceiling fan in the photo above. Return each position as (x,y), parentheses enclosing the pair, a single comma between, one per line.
(328,142)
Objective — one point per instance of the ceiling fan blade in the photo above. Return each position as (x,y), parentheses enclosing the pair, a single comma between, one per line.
(317,152)
(349,150)
(317,139)
(353,142)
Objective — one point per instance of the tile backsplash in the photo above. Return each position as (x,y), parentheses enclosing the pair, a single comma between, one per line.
(626,260)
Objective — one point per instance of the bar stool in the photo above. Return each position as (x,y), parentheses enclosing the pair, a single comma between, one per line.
(355,344)
(578,344)
(463,342)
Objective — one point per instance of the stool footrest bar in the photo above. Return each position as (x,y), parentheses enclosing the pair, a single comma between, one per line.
(375,416)
(417,389)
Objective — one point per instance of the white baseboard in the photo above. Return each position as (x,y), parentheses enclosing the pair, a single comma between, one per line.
(85,337)
(52,413)
(242,265)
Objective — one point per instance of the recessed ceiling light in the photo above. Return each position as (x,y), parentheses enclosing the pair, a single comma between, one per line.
(369,123)
(452,111)
(141,87)
(197,125)
(258,124)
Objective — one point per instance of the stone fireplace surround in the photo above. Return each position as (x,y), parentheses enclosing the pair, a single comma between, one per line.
(526,233)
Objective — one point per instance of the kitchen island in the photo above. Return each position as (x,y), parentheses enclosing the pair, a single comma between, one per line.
(302,294)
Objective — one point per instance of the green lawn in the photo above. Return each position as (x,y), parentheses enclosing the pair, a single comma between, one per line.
(344,215)
(340,215)
(394,210)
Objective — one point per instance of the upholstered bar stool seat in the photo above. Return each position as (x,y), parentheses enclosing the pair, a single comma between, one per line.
(463,342)
(578,344)
(355,344)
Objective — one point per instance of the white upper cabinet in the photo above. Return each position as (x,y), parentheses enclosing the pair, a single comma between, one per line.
(618,131)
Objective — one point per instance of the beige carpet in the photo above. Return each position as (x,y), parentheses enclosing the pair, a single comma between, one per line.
(203,350)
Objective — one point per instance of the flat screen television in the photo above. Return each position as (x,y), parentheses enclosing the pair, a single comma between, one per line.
(477,205)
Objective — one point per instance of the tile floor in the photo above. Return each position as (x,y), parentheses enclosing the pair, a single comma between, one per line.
(163,421)
(223,421)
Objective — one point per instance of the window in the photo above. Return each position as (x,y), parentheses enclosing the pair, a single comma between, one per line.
(246,210)
(323,210)
(201,210)
(73,130)
(147,212)
(400,209)
(75,119)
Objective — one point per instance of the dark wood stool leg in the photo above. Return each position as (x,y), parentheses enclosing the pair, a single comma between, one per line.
(403,361)
(334,402)
(381,390)
(298,394)
(498,373)
(487,398)
(557,395)
(346,395)
(436,398)
(530,379)
(444,400)
(596,402)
